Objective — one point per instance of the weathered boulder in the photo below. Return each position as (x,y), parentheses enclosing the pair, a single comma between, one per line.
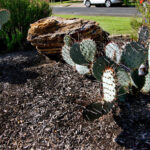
(47,34)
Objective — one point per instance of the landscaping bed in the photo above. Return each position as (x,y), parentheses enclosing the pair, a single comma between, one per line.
(42,105)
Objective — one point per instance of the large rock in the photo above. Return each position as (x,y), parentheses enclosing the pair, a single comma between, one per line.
(47,34)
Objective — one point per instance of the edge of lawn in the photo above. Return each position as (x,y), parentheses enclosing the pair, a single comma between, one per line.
(112,24)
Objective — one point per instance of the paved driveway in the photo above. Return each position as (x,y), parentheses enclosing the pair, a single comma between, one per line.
(100,11)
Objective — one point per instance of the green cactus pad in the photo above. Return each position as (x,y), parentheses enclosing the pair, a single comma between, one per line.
(67,40)
(82,69)
(99,66)
(76,55)
(143,34)
(4,17)
(113,52)
(109,85)
(134,55)
(123,77)
(96,110)
(121,94)
(149,55)
(138,80)
(88,49)
(146,87)
(66,55)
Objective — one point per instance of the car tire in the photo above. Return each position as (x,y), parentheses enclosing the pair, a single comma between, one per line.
(88,3)
(108,3)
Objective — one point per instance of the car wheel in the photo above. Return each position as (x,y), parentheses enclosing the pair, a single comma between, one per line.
(108,3)
(87,3)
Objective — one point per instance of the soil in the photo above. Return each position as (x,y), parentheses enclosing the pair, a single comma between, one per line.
(42,105)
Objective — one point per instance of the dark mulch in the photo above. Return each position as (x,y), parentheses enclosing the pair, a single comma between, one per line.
(42,104)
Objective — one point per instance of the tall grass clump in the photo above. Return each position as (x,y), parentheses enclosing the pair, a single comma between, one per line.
(23,13)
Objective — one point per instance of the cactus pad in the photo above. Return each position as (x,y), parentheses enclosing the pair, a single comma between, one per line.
(4,17)
(113,52)
(88,49)
(96,110)
(143,34)
(82,69)
(138,80)
(146,87)
(121,94)
(99,67)
(76,55)
(67,40)
(149,55)
(109,85)
(66,55)
(123,77)
(134,55)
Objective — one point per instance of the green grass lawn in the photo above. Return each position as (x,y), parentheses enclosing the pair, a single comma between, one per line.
(113,25)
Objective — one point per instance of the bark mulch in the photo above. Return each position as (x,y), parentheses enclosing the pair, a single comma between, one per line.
(42,105)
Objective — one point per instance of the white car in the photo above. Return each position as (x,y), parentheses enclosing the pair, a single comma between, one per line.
(107,3)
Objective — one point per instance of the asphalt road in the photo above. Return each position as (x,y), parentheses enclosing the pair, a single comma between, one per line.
(96,11)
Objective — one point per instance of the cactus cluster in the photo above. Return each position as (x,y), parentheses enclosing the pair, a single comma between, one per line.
(119,71)
(4,17)
(80,55)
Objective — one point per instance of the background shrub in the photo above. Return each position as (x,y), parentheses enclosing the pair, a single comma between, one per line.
(23,13)
(144,19)
(144,9)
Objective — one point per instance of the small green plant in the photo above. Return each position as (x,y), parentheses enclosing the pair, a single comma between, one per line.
(23,13)
(119,70)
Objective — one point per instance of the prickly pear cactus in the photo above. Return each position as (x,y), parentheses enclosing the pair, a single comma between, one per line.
(76,55)
(121,94)
(123,78)
(66,55)
(88,49)
(99,66)
(67,40)
(143,34)
(109,85)
(82,69)
(4,17)
(113,52)
(146,87)
(134,55)
(149,56)
(137,79)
